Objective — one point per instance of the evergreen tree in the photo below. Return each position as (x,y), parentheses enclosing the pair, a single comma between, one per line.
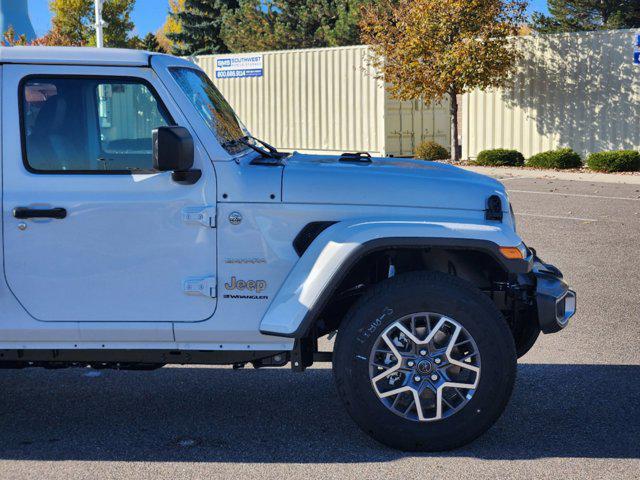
(579,15)
(288,24)
(150,43)
(345,29)
(200,26)
(252,28)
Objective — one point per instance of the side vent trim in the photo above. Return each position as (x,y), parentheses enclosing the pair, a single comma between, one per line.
(308,234)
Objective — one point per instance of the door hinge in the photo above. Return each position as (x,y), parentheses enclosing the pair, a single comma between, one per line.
(200,286)
(203,214)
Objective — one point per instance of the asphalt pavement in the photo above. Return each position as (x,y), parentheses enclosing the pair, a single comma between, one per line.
(575,412)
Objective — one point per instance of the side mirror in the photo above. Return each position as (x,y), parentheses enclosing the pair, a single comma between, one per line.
(173,152)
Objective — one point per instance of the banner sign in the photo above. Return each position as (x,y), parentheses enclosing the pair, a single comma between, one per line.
(239,66)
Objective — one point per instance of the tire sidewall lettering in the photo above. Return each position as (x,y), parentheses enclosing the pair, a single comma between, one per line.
(370,331)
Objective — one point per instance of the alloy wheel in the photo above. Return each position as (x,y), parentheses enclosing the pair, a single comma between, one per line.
(425,367)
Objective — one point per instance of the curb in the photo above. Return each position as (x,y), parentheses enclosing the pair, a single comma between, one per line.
(507,173)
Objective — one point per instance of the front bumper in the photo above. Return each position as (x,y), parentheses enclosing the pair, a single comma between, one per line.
(555,301)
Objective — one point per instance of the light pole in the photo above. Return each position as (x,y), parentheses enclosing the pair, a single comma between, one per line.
(99,24)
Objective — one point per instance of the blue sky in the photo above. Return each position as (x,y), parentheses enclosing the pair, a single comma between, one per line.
(149,15)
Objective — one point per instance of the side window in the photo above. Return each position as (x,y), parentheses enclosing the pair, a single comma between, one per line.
(89,124)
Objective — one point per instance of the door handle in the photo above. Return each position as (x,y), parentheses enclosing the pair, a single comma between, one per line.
(22,213)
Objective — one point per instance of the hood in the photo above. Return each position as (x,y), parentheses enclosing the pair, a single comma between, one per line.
(386,181)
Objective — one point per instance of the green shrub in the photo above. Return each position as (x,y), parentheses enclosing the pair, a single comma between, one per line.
(500,158)
(430,150)
(561,158)
(616,161)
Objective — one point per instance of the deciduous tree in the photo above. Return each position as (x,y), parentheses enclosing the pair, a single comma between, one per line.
(53,38)
(171,25)
(73,22)
(577,15)
(430,49)
(11,39)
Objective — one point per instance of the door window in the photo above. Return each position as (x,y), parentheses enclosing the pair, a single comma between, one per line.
(89,125)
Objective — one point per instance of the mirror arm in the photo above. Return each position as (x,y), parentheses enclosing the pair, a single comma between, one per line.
(186,177)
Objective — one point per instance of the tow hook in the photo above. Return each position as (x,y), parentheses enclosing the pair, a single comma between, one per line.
(514,290)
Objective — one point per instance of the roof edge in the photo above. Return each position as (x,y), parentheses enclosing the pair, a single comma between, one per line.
(75,56)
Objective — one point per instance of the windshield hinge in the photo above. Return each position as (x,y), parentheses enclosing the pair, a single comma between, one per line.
(200,286)
(203,214)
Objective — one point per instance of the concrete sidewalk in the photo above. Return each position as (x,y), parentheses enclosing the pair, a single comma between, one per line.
(503,173)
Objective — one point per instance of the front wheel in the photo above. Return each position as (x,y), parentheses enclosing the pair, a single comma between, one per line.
(424,362)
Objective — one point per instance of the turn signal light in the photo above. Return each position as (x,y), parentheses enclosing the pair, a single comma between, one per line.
(512,253)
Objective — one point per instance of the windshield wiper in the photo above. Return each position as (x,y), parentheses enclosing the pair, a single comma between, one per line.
(272,150)
(263,153)
(243,141)
(270,153)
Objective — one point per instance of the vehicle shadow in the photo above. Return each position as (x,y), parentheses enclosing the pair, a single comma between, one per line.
(265,416)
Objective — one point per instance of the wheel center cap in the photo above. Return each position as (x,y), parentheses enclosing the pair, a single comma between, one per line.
(425,366)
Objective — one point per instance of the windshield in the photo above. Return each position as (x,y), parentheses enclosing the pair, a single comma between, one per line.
(212,107)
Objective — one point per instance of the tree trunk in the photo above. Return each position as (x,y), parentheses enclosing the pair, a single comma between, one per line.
(453,113)
(604,12)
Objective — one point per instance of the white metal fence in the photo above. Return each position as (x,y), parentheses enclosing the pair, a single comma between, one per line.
(327,100)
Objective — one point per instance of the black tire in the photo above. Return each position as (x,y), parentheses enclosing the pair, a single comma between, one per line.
(424,292)
(525,334)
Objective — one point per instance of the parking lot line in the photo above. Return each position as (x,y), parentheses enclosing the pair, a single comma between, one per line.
(582,195)
(556,217)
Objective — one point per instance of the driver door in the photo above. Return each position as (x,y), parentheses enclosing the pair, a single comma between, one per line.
(104,238)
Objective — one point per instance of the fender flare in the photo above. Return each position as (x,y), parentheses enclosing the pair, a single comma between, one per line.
(327,261)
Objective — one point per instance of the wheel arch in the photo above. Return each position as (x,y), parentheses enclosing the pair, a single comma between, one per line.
(342,251)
